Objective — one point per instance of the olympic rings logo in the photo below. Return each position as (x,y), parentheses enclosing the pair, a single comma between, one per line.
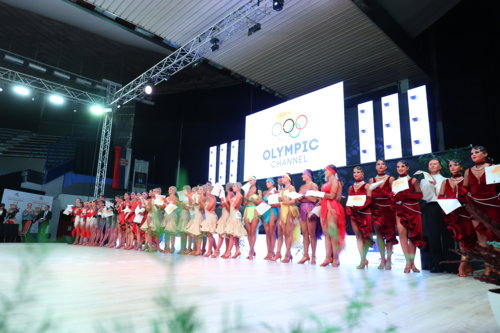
(290,127)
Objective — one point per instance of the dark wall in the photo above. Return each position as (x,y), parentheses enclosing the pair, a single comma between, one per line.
(463,46)
(208,118)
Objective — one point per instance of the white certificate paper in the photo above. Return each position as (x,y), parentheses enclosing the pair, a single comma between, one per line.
(294,195)
(159,200)
(217,189)
(399,185)
(355,200)
(317,194)
(246,187)
(375,185)
(170,208)
(68,210)
(449,205)
(262,208)
(492,174)
(273,199)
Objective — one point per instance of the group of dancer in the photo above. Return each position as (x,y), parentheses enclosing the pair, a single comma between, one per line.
(384,205)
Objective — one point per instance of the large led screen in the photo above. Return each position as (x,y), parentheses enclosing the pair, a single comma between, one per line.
(307,132)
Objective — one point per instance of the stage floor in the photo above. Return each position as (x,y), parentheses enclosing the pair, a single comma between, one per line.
(87,289)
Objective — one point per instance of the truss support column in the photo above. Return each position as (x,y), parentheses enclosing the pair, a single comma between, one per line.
(104,145)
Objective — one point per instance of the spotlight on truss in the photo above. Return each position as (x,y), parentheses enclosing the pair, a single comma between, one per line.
(278,5)
(215,44)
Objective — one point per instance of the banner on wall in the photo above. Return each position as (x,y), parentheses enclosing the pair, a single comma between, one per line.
(307,132)
(22,199)
(140,179)
(121,170)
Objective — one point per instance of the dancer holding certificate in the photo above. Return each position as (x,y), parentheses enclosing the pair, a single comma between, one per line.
(332,217)
(251,218)
(308,221)
(406,192)
(360,213)
(234,226)
(383,215)
(170,219)
(459,221)
(225,206)
(288,217)
(269,218)
(209,223)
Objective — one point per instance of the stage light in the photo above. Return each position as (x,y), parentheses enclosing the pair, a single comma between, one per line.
(215,44)
(97,109)
(1,89)
(278,5)
(254,29)
(148,89)
(20,90)
(56,99)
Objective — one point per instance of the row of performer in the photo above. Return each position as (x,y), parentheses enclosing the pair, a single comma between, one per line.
(384,205)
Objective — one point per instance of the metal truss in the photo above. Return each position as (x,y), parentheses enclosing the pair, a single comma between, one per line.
(45,86)
(239,20)
(102,161)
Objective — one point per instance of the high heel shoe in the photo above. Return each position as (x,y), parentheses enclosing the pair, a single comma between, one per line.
(388,265)
(215,255)
(226,256)
(407,268)
(269,256)
(327,262)
(313,260)
(414,269)
(363,265)
(208,254)
(304,260)
(276,257)
(382,264)
(287,259)
(236,255)
(335,263)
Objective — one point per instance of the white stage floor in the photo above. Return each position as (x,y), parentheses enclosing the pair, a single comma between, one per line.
(84,288)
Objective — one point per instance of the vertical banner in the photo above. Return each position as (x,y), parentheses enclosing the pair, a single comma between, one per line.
(233,161)
(121,170)
(419,121)
(222,163)
(367,152)
(140,179)
(22,199)
(391,128)
(212,161)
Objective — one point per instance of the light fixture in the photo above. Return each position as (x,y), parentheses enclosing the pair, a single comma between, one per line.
(215,44)
(21,90)
(1,89)
(97,109)
(254,29)
(56,99)
(148,89)
(278,5)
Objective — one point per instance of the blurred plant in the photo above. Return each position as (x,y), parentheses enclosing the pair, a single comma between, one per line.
(22,292)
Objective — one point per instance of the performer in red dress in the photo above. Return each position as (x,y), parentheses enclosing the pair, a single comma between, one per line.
(482,196)
(76,211)
(332,217)
(458,221)
(383,215)
(408,215)
(361,216)
(121,220)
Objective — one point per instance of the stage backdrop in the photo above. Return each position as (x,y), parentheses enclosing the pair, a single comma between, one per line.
(307,132)
(21,199)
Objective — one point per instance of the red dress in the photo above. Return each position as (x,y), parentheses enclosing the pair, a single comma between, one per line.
(459,222)
(383,214)
(76,212)
(485,198)
(121,216)
(339,210)
(361,215)
(408,210)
